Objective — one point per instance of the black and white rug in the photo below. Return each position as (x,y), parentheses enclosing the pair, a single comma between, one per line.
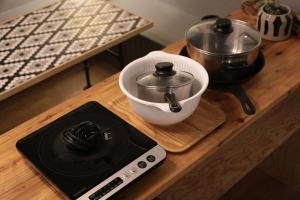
(51,36)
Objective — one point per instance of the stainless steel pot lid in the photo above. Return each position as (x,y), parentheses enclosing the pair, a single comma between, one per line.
(222,36)
(164,77)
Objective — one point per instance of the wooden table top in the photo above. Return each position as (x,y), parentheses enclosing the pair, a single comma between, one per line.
(44,42)
(276,82)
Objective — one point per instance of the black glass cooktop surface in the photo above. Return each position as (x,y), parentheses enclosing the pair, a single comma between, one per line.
(77,169)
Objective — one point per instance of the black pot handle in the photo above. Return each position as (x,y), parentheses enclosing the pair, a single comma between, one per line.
(246,103)
(173,103)
(209,17)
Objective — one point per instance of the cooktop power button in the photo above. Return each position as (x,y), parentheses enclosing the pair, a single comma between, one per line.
(151,158)
(142,164)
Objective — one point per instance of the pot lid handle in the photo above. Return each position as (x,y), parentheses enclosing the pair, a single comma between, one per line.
(164,69)
(223,25)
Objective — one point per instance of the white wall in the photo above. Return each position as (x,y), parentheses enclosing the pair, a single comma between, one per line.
(294,4)
(172,17)
(10,9)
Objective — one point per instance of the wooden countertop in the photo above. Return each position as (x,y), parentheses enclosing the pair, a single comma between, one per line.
(233,148)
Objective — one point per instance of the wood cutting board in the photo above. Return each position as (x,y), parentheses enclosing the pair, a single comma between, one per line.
(175,138)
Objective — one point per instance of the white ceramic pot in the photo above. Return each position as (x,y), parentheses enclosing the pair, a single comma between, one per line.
(159,113)
(275,27)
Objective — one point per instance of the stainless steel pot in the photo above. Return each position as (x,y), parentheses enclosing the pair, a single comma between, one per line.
(223,44)
(165,85)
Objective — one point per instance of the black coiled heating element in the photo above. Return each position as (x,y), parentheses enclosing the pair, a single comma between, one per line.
(82,137)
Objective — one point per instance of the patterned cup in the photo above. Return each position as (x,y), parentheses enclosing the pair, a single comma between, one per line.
(275,27)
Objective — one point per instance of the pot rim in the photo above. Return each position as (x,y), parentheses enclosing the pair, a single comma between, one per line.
(284,5)
(189,44)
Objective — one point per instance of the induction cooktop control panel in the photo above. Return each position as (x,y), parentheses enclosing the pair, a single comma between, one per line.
(126,175)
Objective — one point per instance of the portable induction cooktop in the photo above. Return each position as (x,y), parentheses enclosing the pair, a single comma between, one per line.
(90,153)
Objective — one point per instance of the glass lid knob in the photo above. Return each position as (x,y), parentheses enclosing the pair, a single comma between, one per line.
(164,69)
(223,25)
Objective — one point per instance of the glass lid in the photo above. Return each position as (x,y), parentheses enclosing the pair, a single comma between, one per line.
(223,36)
(164,77)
